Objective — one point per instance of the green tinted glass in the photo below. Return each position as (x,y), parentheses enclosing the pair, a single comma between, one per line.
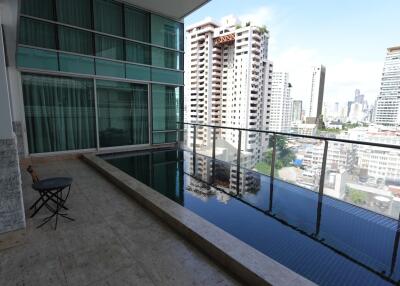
(109,47)
(108,17)
(109,68)
(76,64)
(166,58)
(137,53)
(37,59)
(137,24)
(74,40)
(38,8)
(37,33)
(137,72)
(164,137)
(122,113)
(166,76)
(59,113)
(167,106)
(75,12)
(166,33)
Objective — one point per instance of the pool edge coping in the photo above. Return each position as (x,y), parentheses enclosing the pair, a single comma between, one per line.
(248,264)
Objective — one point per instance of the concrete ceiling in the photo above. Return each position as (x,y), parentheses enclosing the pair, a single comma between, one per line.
(176,9)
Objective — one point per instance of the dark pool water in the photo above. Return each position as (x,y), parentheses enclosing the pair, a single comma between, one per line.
(327,241)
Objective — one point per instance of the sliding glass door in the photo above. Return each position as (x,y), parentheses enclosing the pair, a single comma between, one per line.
(122,113)
(59,113)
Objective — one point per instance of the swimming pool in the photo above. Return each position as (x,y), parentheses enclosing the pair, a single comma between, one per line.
(329,241)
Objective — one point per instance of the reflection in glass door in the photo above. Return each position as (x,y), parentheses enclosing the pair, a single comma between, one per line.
(122,113)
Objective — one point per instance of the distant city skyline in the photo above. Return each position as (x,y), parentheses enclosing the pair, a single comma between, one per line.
(307,33)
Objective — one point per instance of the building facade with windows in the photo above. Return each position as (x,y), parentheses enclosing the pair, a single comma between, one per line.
(228,83)
(86,75)
(387,109)
(281,103)
(316,93)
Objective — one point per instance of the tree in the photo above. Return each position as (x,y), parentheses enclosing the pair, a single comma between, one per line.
(284,156)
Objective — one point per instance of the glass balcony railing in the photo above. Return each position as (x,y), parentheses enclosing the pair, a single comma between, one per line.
(364,174)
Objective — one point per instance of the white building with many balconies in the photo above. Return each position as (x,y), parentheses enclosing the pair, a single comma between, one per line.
(228,83)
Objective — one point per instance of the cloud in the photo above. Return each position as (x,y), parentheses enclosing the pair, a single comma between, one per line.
(261,16)
(342,77)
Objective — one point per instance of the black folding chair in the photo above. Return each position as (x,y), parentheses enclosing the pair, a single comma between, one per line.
(50,191)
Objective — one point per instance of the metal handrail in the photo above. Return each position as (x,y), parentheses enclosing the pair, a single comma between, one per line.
(298,135)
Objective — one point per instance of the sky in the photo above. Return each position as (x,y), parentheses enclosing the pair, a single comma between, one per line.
(349,37)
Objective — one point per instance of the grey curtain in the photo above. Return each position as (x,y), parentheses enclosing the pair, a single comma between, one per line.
(59,113)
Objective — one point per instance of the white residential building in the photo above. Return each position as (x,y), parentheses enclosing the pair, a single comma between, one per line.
(228,83)
(387,110)
(281,103)
(316,92)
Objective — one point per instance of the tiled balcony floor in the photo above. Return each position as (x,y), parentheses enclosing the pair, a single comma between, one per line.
(114,241)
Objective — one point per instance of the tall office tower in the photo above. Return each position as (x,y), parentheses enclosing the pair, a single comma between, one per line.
(297,110)
(387,110)
(228,82)
(280,118)
(317,92)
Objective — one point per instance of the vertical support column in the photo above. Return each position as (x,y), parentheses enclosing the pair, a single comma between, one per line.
(194,148)
(11,207)
(238,162)
(272,174)
(96,112)
(213,153)
(321,188)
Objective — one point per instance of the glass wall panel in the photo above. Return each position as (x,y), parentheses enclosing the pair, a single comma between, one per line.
(75,12)
(37,33)
(108,47)
(137,24)
(167,76)
(166,33)
(167,106)
(37,59)
(76,64)
(59,113)
(123,113)
(166,58)
(38,8)
(137,72)
(109,68)
(108,17)
(138,53)
(74,40)
(164,137)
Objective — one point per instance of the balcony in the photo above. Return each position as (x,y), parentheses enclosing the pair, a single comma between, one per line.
(113,239)
(321,208)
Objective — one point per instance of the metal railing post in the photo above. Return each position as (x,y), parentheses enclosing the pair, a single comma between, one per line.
(321,187)
(272,173)
(238,162)
(213,152)
(194,148)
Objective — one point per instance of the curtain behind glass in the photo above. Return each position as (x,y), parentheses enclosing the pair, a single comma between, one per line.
(166,107)
(38,8)
(59,113)
(74,40)
(108,17)
(137,24)
(137,53)
(108,47)
(123,113)
(75,12)
(37,33)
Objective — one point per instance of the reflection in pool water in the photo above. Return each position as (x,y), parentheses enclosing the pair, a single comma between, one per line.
(327,241)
